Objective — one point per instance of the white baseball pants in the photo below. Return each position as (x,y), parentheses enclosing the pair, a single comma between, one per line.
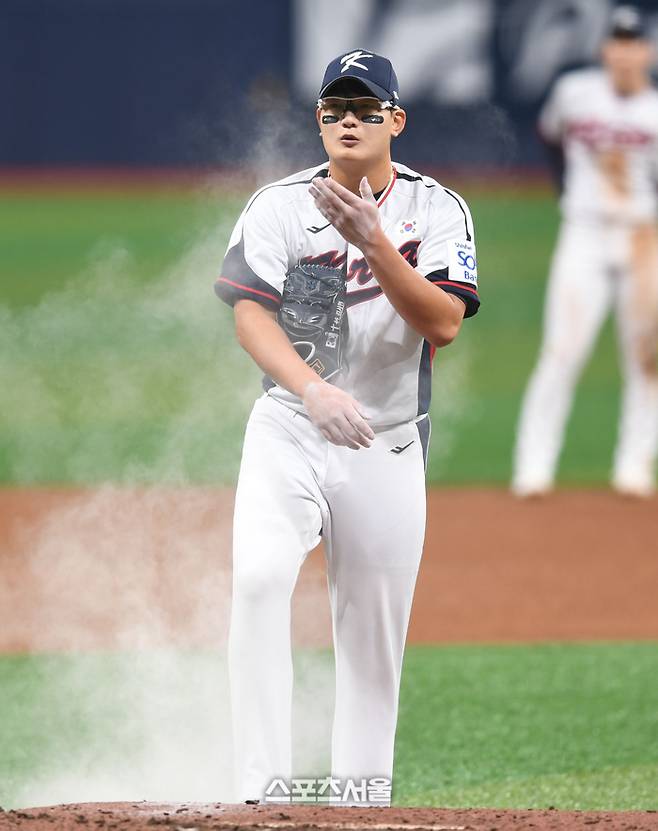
(370,506)
(595,266)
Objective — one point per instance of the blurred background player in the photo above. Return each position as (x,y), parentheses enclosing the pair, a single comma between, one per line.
(605,122)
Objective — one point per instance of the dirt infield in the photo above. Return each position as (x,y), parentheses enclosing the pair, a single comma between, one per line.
(106,568)
(126,816)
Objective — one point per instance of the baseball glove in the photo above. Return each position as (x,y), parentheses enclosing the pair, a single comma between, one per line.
(313,314)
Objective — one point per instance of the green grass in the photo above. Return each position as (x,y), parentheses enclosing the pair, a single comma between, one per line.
(573,726)
(119,364)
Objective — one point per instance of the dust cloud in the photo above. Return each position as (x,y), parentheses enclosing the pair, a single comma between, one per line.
(115,591)
(454,406)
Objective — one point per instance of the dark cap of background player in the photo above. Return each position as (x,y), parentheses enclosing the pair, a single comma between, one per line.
(374,72)
(627,23)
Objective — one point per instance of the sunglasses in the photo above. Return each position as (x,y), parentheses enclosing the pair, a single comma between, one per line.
(366,109)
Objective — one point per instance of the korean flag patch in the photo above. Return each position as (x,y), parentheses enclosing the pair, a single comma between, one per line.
(462,265)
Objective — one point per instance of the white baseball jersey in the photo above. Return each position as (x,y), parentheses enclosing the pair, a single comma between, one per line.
(610,144)
(387,365)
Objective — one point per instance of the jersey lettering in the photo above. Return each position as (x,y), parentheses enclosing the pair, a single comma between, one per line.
(596,134)
(358,269)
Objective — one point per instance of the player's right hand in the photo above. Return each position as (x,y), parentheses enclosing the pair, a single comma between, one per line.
(337,415)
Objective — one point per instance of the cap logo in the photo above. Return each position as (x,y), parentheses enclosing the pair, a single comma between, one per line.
(353,58)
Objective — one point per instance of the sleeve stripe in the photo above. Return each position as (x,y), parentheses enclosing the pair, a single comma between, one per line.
(464,210)
(454,283)
(248,288)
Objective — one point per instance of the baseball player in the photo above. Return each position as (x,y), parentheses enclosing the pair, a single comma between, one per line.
(606,122)
(344,279)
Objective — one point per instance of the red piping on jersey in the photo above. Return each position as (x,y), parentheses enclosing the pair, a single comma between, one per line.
(247,288)
(388,189)
(454,283)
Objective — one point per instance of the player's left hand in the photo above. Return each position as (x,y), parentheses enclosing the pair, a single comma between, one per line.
(356,218)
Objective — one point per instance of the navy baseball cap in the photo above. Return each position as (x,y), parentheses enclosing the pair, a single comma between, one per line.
(627,23)
(375,72)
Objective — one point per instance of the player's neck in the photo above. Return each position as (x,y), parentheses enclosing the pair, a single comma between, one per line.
(349,175)
(630,85)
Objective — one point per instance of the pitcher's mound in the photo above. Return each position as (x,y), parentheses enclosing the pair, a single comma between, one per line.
(195,816)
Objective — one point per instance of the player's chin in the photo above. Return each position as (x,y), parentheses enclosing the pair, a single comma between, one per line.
(345,153)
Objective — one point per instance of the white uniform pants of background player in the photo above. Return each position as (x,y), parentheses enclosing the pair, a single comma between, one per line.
(595,266)
(370,505)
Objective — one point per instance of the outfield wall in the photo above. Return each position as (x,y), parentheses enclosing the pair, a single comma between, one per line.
(189,82)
